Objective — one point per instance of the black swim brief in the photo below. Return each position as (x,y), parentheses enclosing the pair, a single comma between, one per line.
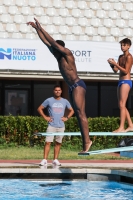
(80,83)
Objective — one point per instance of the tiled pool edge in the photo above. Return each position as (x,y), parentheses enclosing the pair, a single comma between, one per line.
(69,174)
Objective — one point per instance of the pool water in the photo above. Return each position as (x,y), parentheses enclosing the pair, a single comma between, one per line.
(63,190)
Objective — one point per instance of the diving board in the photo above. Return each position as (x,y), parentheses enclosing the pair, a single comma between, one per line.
(91,134)
(113,150)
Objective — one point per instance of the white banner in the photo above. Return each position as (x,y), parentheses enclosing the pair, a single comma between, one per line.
(20,54)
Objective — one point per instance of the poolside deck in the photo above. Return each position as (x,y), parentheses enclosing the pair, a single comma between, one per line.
(112,164)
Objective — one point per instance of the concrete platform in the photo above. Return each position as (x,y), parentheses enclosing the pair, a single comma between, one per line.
(112,164)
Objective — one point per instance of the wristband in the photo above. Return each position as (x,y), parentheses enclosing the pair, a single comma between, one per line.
(112,66)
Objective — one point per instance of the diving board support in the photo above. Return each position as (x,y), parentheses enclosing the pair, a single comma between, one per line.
(113,150)
(128,154)
(91,134)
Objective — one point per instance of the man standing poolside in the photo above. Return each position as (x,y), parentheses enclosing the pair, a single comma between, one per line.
(124,65)
(77,87)
(56,107)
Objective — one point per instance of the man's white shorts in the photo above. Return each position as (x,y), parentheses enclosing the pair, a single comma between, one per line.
(52,129)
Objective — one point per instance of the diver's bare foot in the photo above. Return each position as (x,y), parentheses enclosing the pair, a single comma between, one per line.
(119,130)
(87,147)
(129,129)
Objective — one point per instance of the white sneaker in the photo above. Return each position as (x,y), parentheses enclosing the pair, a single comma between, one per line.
(56,162)
(43,162)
